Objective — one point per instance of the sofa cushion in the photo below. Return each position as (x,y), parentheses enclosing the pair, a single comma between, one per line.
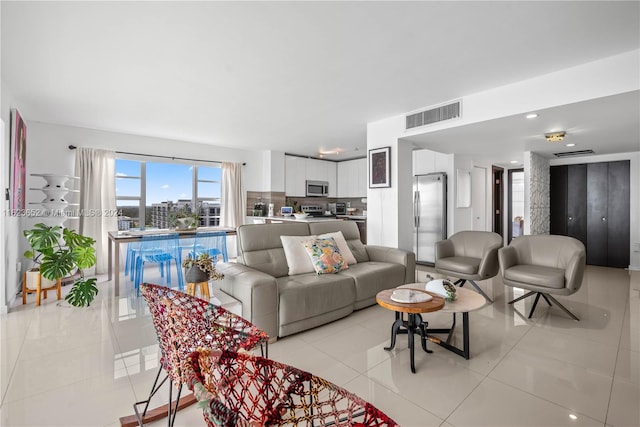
(460,264)
(343,246)
(351,234)
(549,277)
(325,255)
(260,247)
(308,295)
(297,258)
(372,277)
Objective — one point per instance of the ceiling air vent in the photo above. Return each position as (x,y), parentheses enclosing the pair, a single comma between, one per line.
(434,115)
(574,153)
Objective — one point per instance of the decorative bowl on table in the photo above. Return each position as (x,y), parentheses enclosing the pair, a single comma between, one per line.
(300,215)
(444,288)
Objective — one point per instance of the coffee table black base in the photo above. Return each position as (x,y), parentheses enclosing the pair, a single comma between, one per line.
(464,352)
(413,325)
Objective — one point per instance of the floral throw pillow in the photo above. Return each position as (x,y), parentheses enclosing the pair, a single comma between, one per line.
(325,255)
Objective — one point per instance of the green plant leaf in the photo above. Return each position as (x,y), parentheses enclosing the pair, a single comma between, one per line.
(57,264)
(42,236)
(84,256)
(82,293)
(72,239)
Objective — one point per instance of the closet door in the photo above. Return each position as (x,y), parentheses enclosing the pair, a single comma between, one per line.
(558,200)
(577,202)
(597,199)
(618,216)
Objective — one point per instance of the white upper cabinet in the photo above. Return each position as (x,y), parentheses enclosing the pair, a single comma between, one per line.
(300,169)
(352,178)
(346,179)
(332,178)
(316,170)
(294,176)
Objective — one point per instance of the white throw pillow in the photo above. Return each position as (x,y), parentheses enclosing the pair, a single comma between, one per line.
(297,258)
(343,246)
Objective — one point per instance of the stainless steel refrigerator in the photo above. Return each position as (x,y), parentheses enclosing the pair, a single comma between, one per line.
(429,215)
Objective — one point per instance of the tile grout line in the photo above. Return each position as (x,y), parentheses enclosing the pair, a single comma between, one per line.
(487,374)
(627,307)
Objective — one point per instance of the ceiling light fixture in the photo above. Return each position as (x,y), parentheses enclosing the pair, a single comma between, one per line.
(555,136)
(531,115)
(571,145)
(513,162)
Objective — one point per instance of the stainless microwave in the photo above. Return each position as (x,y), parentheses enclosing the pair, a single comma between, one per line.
(317,188)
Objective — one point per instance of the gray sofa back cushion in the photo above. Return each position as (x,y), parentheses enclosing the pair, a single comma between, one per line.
(260,247)
(547,250)
(473,244)
(349,231)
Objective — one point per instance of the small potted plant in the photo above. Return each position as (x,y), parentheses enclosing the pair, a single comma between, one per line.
(200,269)
(60,252)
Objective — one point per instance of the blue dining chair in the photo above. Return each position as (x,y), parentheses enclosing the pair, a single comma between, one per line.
(161,249)
(212,242)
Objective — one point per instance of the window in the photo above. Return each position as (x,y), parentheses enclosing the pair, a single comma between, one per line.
(148,192)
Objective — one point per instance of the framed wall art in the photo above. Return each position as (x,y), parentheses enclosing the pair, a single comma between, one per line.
(380,167)
(19,160)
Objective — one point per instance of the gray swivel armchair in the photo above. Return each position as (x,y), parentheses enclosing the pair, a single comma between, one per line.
(545,265)
(470,256)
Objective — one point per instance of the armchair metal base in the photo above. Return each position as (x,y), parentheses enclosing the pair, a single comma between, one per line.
(546,297)
(475,285)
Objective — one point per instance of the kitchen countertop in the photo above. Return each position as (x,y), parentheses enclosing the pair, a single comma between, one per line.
(293,219)
(351,216)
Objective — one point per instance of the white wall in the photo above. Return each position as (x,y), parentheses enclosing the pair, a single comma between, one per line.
(609,76)
(9,282)
(634,160)
(47,151)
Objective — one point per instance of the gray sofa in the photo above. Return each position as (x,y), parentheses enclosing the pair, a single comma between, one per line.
(281,304)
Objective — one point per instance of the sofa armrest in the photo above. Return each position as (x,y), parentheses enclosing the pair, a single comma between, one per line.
(444,249)
(489,263)
(397,256)
(257,291)
(507,258)
(574,272)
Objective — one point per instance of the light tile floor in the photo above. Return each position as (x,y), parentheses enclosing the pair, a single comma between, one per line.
(62,366)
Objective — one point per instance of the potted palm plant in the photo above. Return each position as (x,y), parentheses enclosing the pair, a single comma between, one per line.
(59,252)
(200,269)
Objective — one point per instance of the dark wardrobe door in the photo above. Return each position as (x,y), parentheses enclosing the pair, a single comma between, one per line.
(577,202)
(618,218)
(558,209)
(597,199)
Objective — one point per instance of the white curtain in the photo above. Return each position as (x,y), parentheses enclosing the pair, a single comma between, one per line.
(234,204)
(96,169)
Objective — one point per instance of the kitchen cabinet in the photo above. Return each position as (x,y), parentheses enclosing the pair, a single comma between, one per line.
(352,178)
(591,203)
(332,178)
(295,175)
(300,169)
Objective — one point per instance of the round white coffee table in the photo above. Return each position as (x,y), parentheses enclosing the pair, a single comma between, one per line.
(466,301)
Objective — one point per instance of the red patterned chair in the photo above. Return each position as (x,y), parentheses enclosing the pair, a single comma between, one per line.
(237,389)
(183,323)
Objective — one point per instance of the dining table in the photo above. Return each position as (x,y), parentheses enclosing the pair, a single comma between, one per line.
(116,238)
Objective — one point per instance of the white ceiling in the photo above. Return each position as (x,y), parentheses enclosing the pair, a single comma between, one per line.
(306,77)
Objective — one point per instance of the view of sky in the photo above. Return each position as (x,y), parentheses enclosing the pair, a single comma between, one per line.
(166,181)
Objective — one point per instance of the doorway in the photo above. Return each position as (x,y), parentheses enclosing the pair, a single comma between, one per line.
(479,199)
(516,217)
(497,197)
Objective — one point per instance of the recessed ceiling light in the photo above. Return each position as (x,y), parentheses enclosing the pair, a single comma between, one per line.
(513,162)
(573,416)
(531,116)
(571,145)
